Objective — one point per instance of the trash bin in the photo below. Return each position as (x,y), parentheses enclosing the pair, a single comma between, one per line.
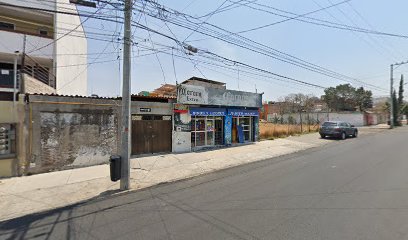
(115,167)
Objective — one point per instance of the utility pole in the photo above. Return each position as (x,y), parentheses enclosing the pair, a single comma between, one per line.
(126,88)
(126,101)
(391,97)
(22,82)
(15,75)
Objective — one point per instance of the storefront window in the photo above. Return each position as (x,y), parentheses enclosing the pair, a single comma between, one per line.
(206,131)
(219,134)
(246,124)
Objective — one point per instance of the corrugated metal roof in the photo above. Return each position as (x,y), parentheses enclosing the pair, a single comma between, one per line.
(134,97)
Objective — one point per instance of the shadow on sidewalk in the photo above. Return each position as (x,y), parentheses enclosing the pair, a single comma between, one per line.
(105,216)
(42,225)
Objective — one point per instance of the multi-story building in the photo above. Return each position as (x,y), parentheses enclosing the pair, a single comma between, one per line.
(49,46)
(48,49)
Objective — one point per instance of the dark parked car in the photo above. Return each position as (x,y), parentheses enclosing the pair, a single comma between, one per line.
(336,129)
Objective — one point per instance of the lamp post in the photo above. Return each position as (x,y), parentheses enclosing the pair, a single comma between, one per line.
(391,91)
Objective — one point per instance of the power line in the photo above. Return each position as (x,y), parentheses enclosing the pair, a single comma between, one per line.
(70,31)
(370,26)
(295,17)
(371,44)
(223,59)
(146,28)
(157,58)
(320,22)
(277,55)
(208,17)
(230,7)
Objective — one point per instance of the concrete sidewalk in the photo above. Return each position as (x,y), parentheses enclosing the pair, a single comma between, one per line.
(30,194)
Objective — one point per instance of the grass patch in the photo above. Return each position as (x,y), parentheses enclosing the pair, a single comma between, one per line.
(270,131)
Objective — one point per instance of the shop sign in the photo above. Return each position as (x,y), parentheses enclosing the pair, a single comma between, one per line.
(242,112)
(234,98)
(145,109)
(190,94)
(208,111)
(180,108)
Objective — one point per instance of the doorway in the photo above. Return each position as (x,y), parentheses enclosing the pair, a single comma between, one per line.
(151,134)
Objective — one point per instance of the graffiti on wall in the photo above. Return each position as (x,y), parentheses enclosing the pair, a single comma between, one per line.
(182,119)
(256,128)
(228,130)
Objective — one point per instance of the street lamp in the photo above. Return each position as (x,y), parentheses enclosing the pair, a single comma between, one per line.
(391,91)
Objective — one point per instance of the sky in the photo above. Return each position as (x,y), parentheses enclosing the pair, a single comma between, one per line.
(362,56)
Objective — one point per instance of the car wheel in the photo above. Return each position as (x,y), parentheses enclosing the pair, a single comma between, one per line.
(343,136)
(322,136)
(355,134)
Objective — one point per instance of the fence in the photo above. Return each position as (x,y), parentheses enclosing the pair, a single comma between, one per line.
(355,118)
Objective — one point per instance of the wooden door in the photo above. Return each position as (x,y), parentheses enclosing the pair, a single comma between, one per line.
(151,136)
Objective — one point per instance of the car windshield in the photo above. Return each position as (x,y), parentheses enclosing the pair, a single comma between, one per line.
(329,124)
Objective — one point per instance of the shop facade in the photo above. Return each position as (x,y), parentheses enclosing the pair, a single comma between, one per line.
(206,116)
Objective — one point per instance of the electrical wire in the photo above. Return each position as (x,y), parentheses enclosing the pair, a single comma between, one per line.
(276,54)
(146,28)
(207,18)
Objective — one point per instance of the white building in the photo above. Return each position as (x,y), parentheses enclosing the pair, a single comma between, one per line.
(52,48)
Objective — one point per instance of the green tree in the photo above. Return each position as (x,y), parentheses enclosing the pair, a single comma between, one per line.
(395,108)
(345,97)
(364,99)
(400,105)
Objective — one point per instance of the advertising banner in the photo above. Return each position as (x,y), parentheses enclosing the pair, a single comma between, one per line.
(189,94)
(182,118)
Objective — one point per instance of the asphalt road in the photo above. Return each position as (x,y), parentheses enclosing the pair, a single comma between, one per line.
(352,189)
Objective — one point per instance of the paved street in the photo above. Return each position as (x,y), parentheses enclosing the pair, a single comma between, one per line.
(353,189)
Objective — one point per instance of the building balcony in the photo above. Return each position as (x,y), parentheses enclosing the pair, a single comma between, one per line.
(48,5)
(14,41)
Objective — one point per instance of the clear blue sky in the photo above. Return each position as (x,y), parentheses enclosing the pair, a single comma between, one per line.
(362,56)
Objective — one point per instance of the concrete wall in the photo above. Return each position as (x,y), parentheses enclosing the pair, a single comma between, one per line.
(35,86)
(28,26)
(157,108)
(68,132)
(181,142)
(356,119)
(71,80)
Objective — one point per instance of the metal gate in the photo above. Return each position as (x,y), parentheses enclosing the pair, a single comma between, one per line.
(151,134)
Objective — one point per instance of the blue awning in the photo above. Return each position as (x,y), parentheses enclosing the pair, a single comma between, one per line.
(243,112)
(208,111)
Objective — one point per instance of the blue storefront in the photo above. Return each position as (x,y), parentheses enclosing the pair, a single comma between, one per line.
(207,114)
(216,126)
